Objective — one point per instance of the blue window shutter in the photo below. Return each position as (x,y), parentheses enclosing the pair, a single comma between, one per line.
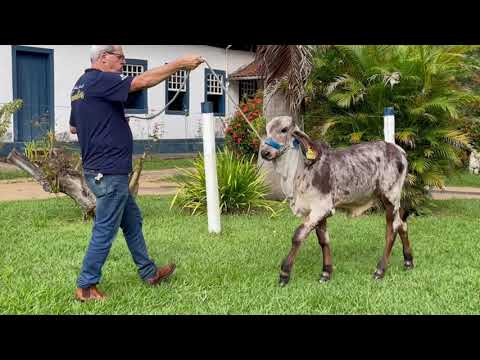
(223,98)
(185,100)
(207,71)
(137,102)
(218,101)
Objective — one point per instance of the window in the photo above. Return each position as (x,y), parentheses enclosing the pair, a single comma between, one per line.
(137,101)
(214,91)
(173,85)
(247,89)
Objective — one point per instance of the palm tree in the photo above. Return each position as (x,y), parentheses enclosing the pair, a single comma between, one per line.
(286,69)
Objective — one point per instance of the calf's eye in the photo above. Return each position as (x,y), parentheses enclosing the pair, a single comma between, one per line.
(284,130)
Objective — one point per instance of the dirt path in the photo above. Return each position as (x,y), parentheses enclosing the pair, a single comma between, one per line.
(456,192)
(7,167)
(151,183)
(154,183)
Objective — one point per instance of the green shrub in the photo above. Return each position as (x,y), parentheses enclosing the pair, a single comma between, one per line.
(239,137)
(240,182)
(351,85)
(6,111)
(54,161)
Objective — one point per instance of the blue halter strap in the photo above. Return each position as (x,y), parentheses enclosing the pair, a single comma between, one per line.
(277,146)
(273,143)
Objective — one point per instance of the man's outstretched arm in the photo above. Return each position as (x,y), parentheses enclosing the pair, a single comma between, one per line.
(156,75)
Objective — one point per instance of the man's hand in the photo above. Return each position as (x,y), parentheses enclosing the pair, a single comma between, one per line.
(190,62)
(73,130)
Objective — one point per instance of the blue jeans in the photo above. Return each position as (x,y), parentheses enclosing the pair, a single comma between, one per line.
(115,208)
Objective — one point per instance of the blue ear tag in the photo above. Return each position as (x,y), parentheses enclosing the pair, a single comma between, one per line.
(296,143)
(273,143)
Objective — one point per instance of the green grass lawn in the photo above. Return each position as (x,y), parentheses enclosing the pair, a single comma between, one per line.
(43,243)
(156,163)
(16,174)
(464,178)
(153,163)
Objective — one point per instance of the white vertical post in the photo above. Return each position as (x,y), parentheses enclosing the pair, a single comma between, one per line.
(209,153)
(389,125)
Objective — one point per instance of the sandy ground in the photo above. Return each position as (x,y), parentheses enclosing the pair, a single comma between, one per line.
(7,167)
(151,183)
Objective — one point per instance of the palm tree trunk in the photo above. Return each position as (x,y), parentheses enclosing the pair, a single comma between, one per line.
(276,106)
(282,65)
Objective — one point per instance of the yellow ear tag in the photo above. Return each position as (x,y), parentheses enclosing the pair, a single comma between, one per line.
(311,154)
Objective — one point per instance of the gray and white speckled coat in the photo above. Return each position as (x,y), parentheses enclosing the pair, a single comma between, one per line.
(350,179)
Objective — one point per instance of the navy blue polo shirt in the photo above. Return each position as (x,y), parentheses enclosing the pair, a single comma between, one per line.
(98,114)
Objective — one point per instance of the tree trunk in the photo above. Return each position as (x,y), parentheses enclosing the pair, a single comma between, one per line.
(276,106)
(134,180)
(71,183)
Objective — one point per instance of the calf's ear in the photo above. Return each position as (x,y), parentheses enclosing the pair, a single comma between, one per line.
(303,138)
(310,149)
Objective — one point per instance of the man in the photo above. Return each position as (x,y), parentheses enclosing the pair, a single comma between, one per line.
(106,143)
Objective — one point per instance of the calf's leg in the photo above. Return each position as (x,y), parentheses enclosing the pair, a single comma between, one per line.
(324,241)
(389,241)
(299,236)
(407,250)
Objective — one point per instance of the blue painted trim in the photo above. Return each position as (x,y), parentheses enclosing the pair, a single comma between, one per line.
(165,146)
(137,62)
(388,111)
(144,109)
(186,101)
(222,101)
(33,49)
(51,83)
(207,107)
(52,90)
(15,91)
(172,146)
(136,111)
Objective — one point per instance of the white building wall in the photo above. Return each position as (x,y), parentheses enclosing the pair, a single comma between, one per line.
(70,61)
(6,87)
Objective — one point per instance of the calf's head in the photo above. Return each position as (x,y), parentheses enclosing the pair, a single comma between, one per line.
(282,134)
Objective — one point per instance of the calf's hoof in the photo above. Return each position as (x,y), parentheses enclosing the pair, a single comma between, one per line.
(378,275)
(283,280)
(325,277)
(408,265)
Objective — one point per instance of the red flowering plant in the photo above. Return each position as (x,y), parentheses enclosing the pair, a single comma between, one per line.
(239,137)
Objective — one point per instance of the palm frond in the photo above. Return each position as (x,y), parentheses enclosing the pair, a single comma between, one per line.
(285,63)
(422,83)
(406,137)
(356,137)
(455,137)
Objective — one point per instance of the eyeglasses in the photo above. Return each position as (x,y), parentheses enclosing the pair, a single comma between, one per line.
(119,56)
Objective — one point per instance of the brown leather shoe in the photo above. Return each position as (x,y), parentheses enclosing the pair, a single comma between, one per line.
(163,273)
(90,293)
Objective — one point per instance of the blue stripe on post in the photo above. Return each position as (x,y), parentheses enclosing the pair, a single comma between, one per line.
(388,111)
(207,107)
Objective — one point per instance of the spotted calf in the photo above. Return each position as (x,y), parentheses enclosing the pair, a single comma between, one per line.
(316,180)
